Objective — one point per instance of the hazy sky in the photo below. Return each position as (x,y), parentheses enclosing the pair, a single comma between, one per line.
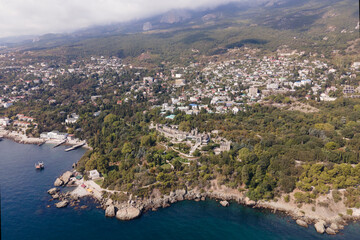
(27,17)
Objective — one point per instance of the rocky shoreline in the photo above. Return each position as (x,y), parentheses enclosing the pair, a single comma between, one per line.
(23,139)
(19,138)
(134,207)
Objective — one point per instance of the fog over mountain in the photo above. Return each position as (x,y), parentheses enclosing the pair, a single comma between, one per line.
(31,17)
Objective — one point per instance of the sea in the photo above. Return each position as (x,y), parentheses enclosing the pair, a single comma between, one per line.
(25,213)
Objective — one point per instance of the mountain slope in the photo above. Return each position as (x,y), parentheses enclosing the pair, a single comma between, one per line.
(317,25)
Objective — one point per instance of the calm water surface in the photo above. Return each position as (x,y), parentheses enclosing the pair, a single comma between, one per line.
(24,214)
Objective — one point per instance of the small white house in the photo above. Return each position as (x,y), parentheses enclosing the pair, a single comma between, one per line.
(4,121)
(93,174)
(7,104)
(235,110)
(73,118)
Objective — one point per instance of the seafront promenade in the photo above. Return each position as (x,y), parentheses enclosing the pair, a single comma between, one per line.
(22,138)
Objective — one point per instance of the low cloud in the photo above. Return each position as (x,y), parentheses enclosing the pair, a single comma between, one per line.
(28,17)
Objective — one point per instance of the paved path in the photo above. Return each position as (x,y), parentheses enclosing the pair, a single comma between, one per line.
(94,187)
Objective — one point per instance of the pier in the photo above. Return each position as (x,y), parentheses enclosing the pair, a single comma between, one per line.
(57,145)
(74,147)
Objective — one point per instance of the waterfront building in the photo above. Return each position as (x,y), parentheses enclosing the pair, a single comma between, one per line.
(56,135)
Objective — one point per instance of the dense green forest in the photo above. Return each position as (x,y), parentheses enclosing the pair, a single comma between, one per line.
(273,151)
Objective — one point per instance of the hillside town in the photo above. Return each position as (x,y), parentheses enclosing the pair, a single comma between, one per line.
(248,102)
(286,79)
(247,112)
(214,87)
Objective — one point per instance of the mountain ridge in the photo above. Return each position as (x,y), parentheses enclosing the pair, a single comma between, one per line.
(274,23)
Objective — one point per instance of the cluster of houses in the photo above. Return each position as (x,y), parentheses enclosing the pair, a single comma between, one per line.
(22,117)
(174,133)
(8,101)
(231,84)
(218,87)
(20,121)
(24,121)
(45,75)
(228,85)
(193,138)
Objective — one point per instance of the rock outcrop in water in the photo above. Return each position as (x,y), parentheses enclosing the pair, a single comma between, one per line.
(128,213)
(330,231)
(66,177)
(320,226)
(52,191)
(110,211)
(301,223)
(334,226)
(63,179)
(62,204)
(58,182)
(224,203)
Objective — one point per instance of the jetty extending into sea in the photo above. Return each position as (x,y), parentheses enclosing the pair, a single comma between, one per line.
(59,144)
(75,147)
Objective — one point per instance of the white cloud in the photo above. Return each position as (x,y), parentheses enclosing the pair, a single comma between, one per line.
(28,17)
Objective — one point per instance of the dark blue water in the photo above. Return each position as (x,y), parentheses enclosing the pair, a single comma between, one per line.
(24,214)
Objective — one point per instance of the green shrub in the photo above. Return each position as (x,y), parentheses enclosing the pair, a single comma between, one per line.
(349,212)
(303,197)
(323,204)
(336,196)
